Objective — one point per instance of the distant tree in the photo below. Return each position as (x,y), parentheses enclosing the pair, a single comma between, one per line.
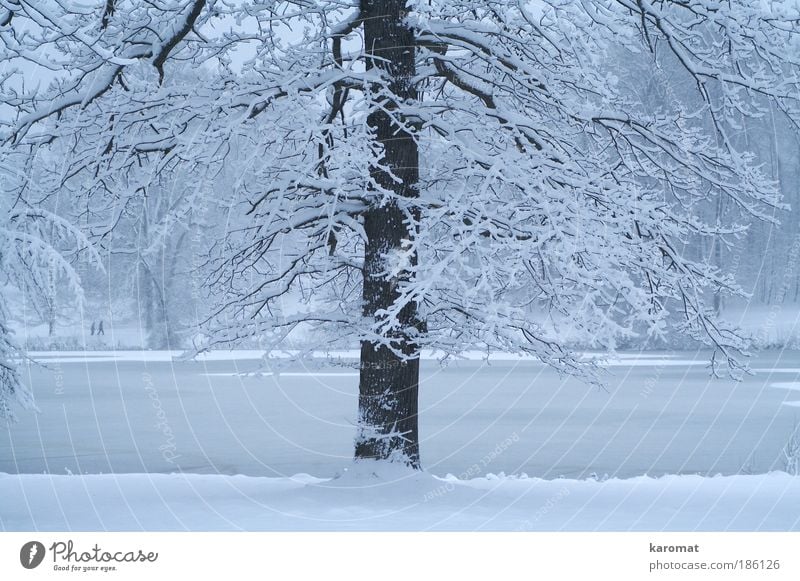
(148,250)
(423,175)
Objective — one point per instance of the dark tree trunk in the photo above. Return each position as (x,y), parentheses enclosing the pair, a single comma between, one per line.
(389,383)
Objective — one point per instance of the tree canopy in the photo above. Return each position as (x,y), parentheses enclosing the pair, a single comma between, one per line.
(490,169)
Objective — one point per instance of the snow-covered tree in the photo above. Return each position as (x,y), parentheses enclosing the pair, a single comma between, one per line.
(411,175)
(34,249)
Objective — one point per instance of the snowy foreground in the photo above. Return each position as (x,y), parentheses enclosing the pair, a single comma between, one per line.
(397,500)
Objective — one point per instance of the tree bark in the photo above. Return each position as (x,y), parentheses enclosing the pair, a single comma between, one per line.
(389,383)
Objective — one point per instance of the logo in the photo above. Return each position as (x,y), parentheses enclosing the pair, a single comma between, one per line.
(31,554)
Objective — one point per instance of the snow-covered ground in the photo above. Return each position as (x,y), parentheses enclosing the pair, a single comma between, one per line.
(397,500)
(210,444)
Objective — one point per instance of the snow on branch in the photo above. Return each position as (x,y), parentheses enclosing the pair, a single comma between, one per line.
(567,152)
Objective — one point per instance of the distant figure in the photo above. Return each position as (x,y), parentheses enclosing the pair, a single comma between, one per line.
(92,327)
(100,328)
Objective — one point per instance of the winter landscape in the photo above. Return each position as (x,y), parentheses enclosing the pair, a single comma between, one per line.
(399,265)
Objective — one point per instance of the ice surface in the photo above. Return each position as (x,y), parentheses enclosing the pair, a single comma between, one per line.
(140,413)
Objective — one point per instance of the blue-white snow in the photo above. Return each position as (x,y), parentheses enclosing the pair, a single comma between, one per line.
(143,416)
(397,500)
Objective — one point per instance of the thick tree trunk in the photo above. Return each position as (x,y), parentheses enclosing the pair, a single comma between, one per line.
(389,383)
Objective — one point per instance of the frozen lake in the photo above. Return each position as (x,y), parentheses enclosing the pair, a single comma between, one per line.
(662,413)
